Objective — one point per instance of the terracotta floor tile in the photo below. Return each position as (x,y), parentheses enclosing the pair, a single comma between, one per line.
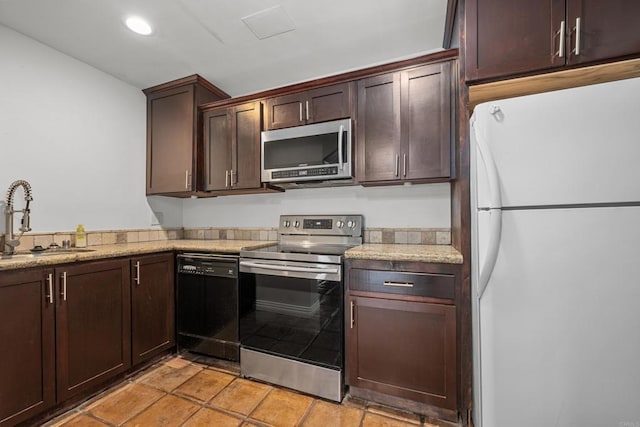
(241,396)
(167,378)
(374,420)
(354,402)
(84,421)
(282,408)
(394,413)
(177,363)
(62,419)
(204,385)
(324,414)
(119,406)
(166,412)
(210,417)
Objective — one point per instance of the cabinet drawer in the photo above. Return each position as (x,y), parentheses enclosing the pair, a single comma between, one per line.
(399,283)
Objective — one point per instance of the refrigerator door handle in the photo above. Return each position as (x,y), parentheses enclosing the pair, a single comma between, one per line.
(495,207)
(495,232)
(493,180)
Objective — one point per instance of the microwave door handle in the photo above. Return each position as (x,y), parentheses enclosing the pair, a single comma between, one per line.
(340,132)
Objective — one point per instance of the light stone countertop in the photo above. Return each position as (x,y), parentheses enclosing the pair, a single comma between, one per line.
(129,249)
(443,254)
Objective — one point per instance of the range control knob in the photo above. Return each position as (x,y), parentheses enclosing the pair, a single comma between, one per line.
(339,224)
(287,224)
(296,224)
(351,224)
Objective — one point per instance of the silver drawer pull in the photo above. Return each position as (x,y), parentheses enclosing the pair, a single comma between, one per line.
(399,284)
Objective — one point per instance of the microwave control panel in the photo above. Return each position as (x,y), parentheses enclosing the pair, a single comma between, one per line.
(330,170)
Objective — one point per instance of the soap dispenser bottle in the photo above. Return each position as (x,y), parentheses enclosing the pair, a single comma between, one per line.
(81,237)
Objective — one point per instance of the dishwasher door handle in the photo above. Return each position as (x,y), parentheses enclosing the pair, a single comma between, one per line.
(332,270)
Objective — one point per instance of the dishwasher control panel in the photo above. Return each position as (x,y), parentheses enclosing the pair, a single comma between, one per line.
(206,265)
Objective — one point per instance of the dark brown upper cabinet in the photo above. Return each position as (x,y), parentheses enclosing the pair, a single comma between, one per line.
(232,147)
(173,134)
(312,106)
(404,126)
(510,37)
(27,362)
(152,306)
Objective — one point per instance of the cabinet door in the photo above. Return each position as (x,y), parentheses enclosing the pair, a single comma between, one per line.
(217,149)
(170,138)
(27,371)
(152,306)
(404,349)
(246,127)
(329,103)
(426,122)
(608,29)
(512,36)
(93,325)
(379,128)
(285,111)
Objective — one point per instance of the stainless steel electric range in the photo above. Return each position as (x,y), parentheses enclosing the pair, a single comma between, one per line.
(291,304)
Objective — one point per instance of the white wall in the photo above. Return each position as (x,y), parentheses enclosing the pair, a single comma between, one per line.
(78,136)
(394,206)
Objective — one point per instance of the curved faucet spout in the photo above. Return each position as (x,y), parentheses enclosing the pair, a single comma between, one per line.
(9,241)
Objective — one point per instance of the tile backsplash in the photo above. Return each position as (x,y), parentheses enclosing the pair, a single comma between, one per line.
(419,236)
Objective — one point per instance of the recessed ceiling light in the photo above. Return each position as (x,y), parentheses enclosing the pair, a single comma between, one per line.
(138,25)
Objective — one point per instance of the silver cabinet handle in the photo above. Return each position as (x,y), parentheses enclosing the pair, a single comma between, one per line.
(301,111)
(50,286)
(561,36)
(353,320)
(233,174)
(399,284)
(137,278)
(64,286)
(226,178)
(577,48)
(307,105)
(187,178)
(397,165)
(405,165)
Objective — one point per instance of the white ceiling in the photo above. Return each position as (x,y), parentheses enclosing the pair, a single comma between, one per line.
(209,37)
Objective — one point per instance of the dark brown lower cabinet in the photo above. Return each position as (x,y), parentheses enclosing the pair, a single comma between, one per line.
(406,349)
(401,335)
(27,363)
(152,306)
(93,324)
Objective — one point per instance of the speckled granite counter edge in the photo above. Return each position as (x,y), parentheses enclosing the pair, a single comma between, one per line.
(442,254)
(129,249)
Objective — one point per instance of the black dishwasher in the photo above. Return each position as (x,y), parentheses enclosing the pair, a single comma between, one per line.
(208,305)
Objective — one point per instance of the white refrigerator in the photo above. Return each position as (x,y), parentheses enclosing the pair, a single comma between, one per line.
(555,196)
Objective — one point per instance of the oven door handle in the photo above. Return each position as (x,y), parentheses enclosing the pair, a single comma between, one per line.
(333,270)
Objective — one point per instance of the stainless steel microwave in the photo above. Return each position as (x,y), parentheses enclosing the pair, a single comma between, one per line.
(316,152)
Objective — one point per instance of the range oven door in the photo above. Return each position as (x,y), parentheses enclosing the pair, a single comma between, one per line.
(292,310)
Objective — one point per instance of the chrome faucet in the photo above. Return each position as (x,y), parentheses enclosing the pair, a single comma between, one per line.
(9,241)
